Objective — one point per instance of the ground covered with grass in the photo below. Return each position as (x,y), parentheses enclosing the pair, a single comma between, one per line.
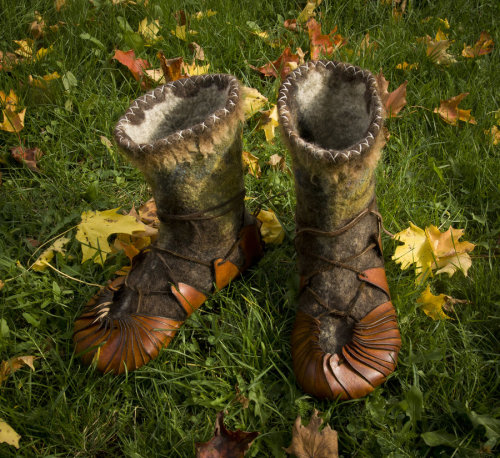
(234,354)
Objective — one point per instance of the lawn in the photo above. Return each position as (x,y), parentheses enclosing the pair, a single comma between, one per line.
(234,354)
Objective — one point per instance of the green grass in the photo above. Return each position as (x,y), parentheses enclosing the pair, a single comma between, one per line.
(238,343)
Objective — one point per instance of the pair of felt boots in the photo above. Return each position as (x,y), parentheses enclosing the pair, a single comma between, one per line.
(185,137)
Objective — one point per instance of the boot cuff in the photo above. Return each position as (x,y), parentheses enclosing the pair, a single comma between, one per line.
(330,112)
(176,122)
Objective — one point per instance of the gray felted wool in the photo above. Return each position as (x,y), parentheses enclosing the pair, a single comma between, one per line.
(185,137)
(331,118)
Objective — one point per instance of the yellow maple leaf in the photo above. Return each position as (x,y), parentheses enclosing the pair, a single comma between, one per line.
(203,14)
(193,69)
(432,305)
(407,66)
(271,229)
(13,120)
(96,227)
(437,48)
(449,112)
(149,30)
(57,247)
(252,163)
(44,81)
(27,49)
(253,101)
(269,122)
(8,435)
(181,32)
(308,11)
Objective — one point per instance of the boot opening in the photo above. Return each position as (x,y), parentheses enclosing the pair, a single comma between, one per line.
(184,108)
(334,109)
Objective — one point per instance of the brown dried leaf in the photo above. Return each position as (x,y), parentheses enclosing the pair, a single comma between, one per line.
(449,112)
(225,443)
(282,66)
(28,156)
(323,44)
(277,162)
(59,4)
(291,24)
(252,164)
(197,50)
(482,46)
(309,442)
(393,101)
(171,68)
(37,27)
(8,60)
(13,364)
(149,214)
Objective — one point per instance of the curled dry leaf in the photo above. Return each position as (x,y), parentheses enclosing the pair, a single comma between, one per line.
(482,46)
(96,227)
(252,164)
(433,250)
(27,156)
(277,162)
(323,44)
(8,435)
(13,119)
(38,26)
(449,112)
(253,101)
(136,66)
(393,101)
(8,60)
(270,229)
(282,66)
(225,443)
(437,48)
(47,255)
(268,122)
(309,442)
(434,306)
(171,68)
(14,364)
(197,50)
(291,24)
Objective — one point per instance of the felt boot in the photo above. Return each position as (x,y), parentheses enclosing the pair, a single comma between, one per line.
(345,340)
(185,137)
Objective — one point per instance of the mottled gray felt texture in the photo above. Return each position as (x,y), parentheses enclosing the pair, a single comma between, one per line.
(184,187)
(334,110)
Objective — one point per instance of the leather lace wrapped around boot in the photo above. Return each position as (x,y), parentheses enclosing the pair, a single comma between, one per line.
(345,339)
(185,137)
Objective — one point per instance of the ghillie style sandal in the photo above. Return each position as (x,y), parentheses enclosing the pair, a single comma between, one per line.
(185,137)
(345,340)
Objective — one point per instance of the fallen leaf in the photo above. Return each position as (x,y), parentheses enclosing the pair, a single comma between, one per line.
(8,435)
(449,112)
(437,48)
(291,24)
(433,250)
(59,4)
(44,81)
(148,213)
(203,14)
(136,66)
(365,45)
(277,162)
(156,75)
(482,46)
(28,156)
(182,33)
(97,226)
(171,68)
(432,305)
(270,229)
(27,49)
(149,30)
(252,164)
(37,27)
(13,120)
(444,22)
(268,122)
(494,134)
(14,364)
(282,66)
(193,69)
(47,255)
(407,66)
(8,60)
(2,284)
(323,44)
(253,101)
(393,101)
(197,50)
(225,443)
(308,11)
(309,442)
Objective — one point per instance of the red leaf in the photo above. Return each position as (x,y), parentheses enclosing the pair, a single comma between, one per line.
(393,101)
(28,156)
(323,44)
(225,444)
(282,66)
(136,66)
